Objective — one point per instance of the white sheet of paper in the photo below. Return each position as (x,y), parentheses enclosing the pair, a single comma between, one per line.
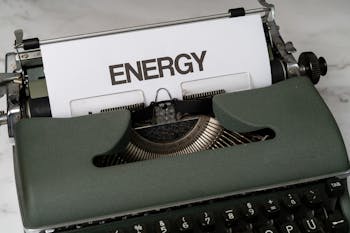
(78,71)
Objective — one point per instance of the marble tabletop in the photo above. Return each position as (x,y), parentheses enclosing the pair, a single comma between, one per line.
(318,25)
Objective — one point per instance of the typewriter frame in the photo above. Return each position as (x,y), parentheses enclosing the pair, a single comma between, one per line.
(14,83)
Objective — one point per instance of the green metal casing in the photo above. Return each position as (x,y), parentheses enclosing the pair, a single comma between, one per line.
(58,183)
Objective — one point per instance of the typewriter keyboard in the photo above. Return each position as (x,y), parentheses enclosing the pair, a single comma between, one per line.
(311,208)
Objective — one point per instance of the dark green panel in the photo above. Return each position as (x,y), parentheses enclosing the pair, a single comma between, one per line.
(59,184)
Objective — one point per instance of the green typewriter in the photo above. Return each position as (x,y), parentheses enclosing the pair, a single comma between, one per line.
(230,154)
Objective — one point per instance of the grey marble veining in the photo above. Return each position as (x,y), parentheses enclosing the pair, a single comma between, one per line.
(317,25)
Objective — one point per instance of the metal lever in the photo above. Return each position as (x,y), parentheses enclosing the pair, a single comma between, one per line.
(271,13)
(19,37)
(8,77)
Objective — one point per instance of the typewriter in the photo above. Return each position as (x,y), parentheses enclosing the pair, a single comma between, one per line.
(259,159)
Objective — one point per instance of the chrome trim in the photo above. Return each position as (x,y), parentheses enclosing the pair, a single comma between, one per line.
(8,77)
(270,16)
(284,49)
(28,55)
(341,175)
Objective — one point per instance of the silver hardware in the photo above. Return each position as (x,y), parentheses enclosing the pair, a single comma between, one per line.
(8,77)
(131,107)
(13,107)
(284,49)
(19,37)
(290,47)
(28,55)
(203,94)
(270,16)
(162,89)
(164,113)
(13,116)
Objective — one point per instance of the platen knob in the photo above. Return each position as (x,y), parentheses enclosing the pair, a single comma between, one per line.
(312,66)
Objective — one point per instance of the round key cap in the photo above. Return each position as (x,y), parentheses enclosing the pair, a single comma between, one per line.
(268,229)
(311,225)
(335,187)
(230,216)
(291,201)
(271,208)
(139,228)
(289,227)
(337,223)
(185,224)
(162,226)
(207,221)
(312,197)
(249,210)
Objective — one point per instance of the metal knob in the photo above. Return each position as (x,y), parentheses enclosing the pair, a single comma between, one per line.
(312,66)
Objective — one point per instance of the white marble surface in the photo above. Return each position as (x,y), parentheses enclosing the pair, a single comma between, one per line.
(318,25)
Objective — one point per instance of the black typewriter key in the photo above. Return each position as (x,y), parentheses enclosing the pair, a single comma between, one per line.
(289,227)
(207,221)
(185,224)
(291,201)
(271,208)
(311,225)
(230,217)
(139,228)
(335,187)
(268,229)
(249,210)
(162,226)
(337,223)
(312,197)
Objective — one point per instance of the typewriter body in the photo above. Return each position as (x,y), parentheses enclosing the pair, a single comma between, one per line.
(262,160)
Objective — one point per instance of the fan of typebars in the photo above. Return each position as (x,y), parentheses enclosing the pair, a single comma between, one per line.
(183,137)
